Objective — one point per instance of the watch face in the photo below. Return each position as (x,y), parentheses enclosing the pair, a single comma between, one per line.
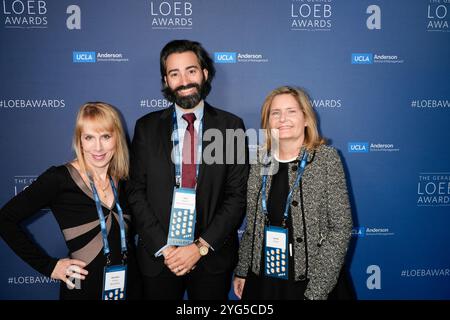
(203,251)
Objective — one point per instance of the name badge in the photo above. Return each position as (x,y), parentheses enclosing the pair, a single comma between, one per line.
(182,217)
(276,255)
(114,282)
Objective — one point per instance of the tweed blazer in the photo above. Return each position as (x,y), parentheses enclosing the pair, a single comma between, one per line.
(321,220)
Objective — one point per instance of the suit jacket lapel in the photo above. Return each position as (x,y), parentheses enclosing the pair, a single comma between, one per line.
(166,128)
(209,121)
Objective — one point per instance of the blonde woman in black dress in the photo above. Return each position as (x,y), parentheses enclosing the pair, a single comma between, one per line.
(86,199)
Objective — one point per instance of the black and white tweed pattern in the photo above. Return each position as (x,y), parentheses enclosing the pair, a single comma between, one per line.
(327,216)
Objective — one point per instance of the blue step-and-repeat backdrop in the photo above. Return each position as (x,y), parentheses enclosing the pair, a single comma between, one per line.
(378,73)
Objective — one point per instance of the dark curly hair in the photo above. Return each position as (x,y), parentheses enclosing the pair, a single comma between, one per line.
(180,46)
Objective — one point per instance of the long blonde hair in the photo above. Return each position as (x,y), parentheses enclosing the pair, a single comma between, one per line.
(312,136)
(107,117)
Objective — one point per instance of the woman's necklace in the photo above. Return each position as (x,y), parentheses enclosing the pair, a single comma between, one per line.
(103,187)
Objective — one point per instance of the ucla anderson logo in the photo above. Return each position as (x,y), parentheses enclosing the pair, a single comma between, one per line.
(238,57)
(225,57)
(359,232)
(362,58)
(82,57)
(358,147)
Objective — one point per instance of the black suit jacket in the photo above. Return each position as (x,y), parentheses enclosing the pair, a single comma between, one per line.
(220,194)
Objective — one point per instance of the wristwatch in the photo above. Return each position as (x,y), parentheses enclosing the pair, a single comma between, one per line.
(202,248)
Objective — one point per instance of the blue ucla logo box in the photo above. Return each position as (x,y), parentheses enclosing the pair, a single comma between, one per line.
(225,57)
(358,147)
(82,57)
(362,58)
(359,232)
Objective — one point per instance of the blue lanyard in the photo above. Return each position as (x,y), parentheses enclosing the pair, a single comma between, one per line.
(101,217)
(300,171)
(177,151)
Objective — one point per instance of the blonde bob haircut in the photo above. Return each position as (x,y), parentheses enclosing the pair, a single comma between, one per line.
(312,136)
(106,117)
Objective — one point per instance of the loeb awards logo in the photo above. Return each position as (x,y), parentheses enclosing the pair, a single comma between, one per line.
(438,15)
(21,14)
(433,189)
(22,182)
(174,15)
(314,15)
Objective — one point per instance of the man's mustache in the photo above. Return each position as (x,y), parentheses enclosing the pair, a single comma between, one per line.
(188,86)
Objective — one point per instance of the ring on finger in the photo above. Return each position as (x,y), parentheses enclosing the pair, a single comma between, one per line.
(69,270)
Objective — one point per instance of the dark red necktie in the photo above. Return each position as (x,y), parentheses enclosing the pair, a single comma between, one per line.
(189,152)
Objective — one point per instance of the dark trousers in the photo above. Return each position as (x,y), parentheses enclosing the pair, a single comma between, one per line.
(199,285)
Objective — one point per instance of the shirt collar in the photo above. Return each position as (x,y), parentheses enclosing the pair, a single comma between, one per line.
(197,110)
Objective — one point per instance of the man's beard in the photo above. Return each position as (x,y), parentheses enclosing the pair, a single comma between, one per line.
(189,101)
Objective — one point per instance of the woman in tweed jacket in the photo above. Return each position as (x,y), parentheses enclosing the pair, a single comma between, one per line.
(319,223)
